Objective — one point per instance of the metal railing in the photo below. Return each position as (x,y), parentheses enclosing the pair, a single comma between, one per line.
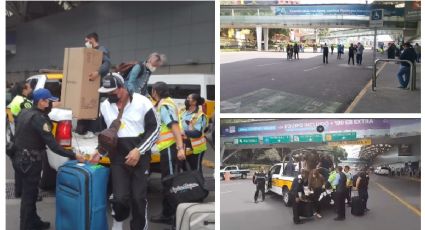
(412,72)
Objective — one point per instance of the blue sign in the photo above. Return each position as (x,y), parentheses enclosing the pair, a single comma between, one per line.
(376,15)
(337,9)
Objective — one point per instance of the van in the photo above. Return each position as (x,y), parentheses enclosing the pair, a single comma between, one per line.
(181,85)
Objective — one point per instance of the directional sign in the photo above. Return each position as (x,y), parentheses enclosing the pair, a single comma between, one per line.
(376,18)
(308,138)
(246,141)
(348,136)
(356,142)
(276,139)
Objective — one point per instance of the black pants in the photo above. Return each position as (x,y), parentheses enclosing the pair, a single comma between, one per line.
(195,161)
(168,164)
(348,195)
(295,210)
(364,196)
(129,186)
(351,57)
(296,55)
(359,58)
(18,182)
(325,58)
(340,204)
(316,202)
(260,187)
(30,174)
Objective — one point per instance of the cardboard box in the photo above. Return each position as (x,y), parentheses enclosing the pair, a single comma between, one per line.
(78,93)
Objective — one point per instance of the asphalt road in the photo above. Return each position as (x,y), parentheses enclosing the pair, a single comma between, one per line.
(238,211)
(267,82)
(46,208)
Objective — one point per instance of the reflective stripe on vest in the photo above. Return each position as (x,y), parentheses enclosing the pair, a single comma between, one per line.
(166,137)
(199,145)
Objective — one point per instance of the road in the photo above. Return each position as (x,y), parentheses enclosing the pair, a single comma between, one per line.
(266,82)
(238,211)
(46,208)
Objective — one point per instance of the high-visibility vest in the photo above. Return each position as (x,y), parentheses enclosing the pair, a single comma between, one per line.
(166,136)
(199,144)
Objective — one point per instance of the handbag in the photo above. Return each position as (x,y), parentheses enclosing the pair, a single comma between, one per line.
(108,138)
(184,187)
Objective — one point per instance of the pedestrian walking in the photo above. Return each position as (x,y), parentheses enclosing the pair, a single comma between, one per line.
(296,51)
(359,53)
(325,53)
(351,51)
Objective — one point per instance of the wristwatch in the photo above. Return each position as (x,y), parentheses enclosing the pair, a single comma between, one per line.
(179,147)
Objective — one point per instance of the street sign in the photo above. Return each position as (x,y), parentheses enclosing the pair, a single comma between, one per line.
(276,139)
(367,141)
(308,138)
(376,18)
(246,141)
(347,136)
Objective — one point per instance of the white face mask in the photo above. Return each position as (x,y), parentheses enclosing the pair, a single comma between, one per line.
(150,67)
(88,45)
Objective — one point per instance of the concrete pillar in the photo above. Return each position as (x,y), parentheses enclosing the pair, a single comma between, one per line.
(259,37)
(266,39)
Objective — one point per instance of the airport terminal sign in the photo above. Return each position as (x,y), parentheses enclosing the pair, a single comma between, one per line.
(361,10)
(302,126)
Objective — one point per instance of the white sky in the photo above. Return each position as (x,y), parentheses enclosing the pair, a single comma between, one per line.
(352,150)
(334,1)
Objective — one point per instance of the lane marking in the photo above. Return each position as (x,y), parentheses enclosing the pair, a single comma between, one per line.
(317,67)
(271,64)
(362,92)
(409,206)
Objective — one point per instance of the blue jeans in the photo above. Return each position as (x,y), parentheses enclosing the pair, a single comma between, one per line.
(404,70)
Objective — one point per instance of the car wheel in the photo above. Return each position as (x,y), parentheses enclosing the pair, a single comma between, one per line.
(286,197)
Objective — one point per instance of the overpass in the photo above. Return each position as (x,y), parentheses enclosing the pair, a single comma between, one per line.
(372,134)
(354,16)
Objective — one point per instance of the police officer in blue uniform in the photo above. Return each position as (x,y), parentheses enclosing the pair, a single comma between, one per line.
(33,133)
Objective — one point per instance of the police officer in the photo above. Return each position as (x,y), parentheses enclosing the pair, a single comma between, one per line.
(362,184)
(22,99)
(259,179)
(298,195)
(340,183)
(33,132)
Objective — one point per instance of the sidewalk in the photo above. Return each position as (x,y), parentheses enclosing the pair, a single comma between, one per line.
(388,98)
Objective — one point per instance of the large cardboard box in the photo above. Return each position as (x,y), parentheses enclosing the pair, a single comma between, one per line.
(79,93)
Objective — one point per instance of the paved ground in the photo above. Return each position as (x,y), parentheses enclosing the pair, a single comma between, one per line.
(238,211)
(267,82)
(387,98)
(46,208)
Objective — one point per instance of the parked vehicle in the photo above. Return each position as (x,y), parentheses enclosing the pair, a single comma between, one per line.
(234,171)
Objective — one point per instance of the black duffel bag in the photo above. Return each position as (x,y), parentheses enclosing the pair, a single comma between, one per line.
(184,187)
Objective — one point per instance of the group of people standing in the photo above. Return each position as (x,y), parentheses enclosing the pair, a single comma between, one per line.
(146,121)
(340,181)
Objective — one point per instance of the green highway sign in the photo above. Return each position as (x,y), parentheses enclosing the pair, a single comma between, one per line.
(347,136)
(246,141)
(276,139)
(308,138)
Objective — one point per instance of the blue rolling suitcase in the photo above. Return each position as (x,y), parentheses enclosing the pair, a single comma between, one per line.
(81,197)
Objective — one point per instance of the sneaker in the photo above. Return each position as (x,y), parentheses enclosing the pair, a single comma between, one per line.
(319,216)
(162,219)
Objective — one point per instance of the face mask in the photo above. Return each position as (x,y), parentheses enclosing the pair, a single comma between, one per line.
(48,109)
(113,98)
(186,104)
(150,67)
(29,97)
(88,45)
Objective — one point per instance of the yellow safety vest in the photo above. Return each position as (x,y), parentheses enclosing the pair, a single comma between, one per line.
(199,144)
(166,137)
